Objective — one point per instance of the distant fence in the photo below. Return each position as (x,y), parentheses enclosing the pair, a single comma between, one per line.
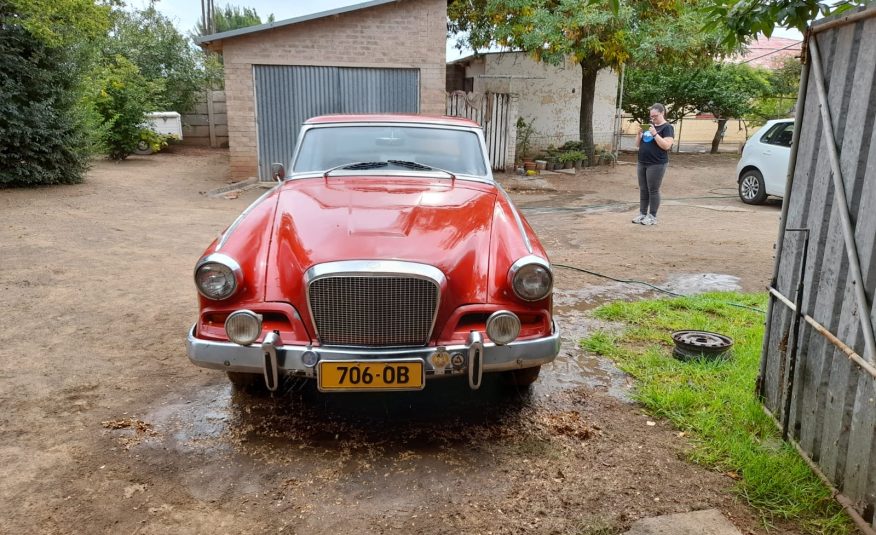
(497,115)
(693,134)
(207,123)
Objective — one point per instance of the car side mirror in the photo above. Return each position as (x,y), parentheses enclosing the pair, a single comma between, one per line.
(278,171)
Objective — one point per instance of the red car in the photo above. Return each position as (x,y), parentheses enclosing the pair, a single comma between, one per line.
(385,258)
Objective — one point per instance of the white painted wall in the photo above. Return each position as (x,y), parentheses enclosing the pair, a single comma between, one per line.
(549,95)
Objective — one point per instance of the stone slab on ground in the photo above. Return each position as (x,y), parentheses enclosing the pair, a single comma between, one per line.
(705,522)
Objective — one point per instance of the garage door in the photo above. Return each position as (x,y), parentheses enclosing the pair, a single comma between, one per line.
(288,95)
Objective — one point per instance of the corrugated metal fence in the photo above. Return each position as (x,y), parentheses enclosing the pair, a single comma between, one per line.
(818,370)
(495,114)
(287,95)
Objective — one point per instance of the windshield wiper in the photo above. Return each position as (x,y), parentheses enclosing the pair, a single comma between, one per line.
(420,167)
(410,165)
(361,166)
(355,166)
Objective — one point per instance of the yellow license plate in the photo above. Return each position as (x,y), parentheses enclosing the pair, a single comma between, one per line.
(353,375)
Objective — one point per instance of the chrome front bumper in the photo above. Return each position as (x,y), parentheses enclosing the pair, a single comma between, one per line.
(271,358)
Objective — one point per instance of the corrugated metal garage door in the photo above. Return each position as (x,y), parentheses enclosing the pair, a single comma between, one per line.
(287,95)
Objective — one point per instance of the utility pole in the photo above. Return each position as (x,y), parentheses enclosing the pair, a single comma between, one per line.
(207,17)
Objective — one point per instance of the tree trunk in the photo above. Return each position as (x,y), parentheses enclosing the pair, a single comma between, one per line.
(719,133)
(585,118)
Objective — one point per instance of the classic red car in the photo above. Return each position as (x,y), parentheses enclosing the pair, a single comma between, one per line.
(387,257)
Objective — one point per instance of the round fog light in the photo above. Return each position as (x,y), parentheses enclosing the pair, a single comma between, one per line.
(243,327)
(503,327)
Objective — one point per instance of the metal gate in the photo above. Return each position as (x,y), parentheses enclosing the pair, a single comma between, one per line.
(288,95)
(818,368)
(492,112)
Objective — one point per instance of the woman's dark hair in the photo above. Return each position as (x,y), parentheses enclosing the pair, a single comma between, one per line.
(658,107)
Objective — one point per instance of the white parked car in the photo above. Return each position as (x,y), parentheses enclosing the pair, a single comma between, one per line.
(763,168)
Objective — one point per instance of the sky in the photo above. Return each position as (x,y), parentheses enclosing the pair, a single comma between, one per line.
(186,13)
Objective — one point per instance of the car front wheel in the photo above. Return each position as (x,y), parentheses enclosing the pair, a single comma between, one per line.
(523,376)
(246,381)
(752,189)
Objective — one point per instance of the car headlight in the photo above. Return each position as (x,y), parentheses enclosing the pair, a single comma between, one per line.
(243,327)
(217,277)
(503,327)
(531,278)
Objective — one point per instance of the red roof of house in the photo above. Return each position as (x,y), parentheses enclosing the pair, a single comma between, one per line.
(769,53)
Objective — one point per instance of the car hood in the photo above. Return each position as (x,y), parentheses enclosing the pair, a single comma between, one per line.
(443,223)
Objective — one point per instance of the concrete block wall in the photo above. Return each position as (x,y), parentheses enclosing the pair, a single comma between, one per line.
(549,95)
(404,34)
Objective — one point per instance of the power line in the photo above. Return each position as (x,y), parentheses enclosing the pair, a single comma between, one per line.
(773,52)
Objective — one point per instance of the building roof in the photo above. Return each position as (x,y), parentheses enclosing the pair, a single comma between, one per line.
(769,52)
(206,39)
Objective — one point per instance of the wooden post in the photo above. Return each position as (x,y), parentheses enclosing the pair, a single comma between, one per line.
(211,119)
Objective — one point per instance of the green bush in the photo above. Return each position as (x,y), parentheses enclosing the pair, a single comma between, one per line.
(153,141)
(122,100)
(571,156)
(42,139)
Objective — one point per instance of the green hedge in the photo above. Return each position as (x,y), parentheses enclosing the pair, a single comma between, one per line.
(42,140)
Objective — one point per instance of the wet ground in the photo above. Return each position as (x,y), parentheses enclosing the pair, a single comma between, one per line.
(107,428)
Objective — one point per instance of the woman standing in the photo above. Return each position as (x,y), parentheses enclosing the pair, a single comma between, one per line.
(653,145)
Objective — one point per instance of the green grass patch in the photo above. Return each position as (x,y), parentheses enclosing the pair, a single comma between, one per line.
(715,402)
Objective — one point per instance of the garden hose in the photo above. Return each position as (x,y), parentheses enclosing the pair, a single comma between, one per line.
(657,288)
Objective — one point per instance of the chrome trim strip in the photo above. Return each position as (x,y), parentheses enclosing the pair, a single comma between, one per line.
(517,218)
(375,268)
(229,356)
(225,260)
(230,230)
(526,260)
(377,361)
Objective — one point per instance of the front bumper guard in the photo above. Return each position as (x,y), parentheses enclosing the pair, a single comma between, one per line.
(272,359)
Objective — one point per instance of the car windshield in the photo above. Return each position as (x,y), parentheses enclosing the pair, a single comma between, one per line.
(400,146)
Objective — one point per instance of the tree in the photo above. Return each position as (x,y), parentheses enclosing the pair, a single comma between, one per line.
(44,59)
(596,34)
(785,84)
(123,97)
(726,90)
(231,18)
(667,85)
(150,41)
(740,20)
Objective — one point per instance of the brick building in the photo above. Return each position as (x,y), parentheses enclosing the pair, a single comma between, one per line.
(379,56)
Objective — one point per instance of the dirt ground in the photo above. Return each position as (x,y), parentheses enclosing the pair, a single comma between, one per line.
(106,426)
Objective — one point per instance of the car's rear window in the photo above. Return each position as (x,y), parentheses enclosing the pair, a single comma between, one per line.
(457,151)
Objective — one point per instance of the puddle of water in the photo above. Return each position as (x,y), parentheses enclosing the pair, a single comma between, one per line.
(696,283)
(573,366)
(217,419)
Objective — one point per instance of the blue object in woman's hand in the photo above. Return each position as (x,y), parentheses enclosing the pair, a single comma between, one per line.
(647,137)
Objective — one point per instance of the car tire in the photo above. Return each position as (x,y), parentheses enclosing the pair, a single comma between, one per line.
(752,189)
(246,381)
(523,376)
(143,148)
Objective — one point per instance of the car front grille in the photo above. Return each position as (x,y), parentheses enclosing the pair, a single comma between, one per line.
(388,311)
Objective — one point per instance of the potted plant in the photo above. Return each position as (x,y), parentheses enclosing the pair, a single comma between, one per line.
(524,135)
(572,158)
